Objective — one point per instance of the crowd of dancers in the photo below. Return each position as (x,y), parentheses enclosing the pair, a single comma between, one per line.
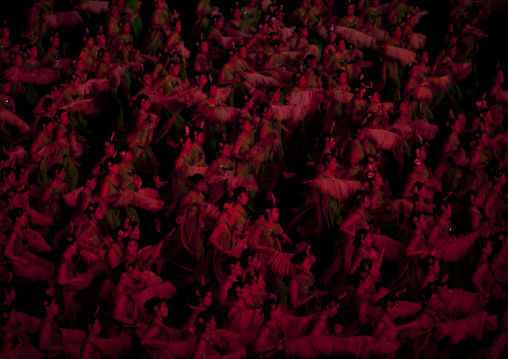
(315,181)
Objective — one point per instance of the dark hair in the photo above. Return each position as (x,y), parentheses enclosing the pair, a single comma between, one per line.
(8,195)
(267,307)
(5,286)
(299,258)
(418,185)
(197,76)
(66,240)
(440,201)
(233,291)
(369,94)
(271,90)
(90,209)
(347,4)
(467,197)
(75,75)
(476,137)
(370,176)
(328,300)
(112,5)
(122,149)
(245,256)
(383,302)
(427,292)
(130,222)
(250,279)
(244,100)
(427,263)
(122,23)
(43,121)
(99,33)
(20,171)
(5,313)
(171,65)
(337,73)
(263,108)
(495,173)
(195,179)
(223,201)
(264,20)
(410,68)
(152,303)
(117,233)
(397,106)
(199,294)
(229,55)
(361,272)
(126,240)
(412,217)
(202,318)
(367,159)
(270,203)
(6,171)
(118,271)
(139,100)
(420,52)
(207,87)
(234,8)
(497,244)
(394,27)
(450,45)
(14,214)
(227,263)
(173,21)
(221,143)
(164,56)
(299,28)
(57,167)
(216,18)
(47,103)
(243,120)
(196,130)
(359,236)
(358,85)
(355,129)
(325,161)
(92,313)
(184,139)
(297,76)
(336,319)
(479,244)
(274,42)
(360,197)
(238,191)
(58,114)
(109,162)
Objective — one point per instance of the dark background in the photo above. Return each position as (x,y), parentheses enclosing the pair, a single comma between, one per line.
(434,25)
